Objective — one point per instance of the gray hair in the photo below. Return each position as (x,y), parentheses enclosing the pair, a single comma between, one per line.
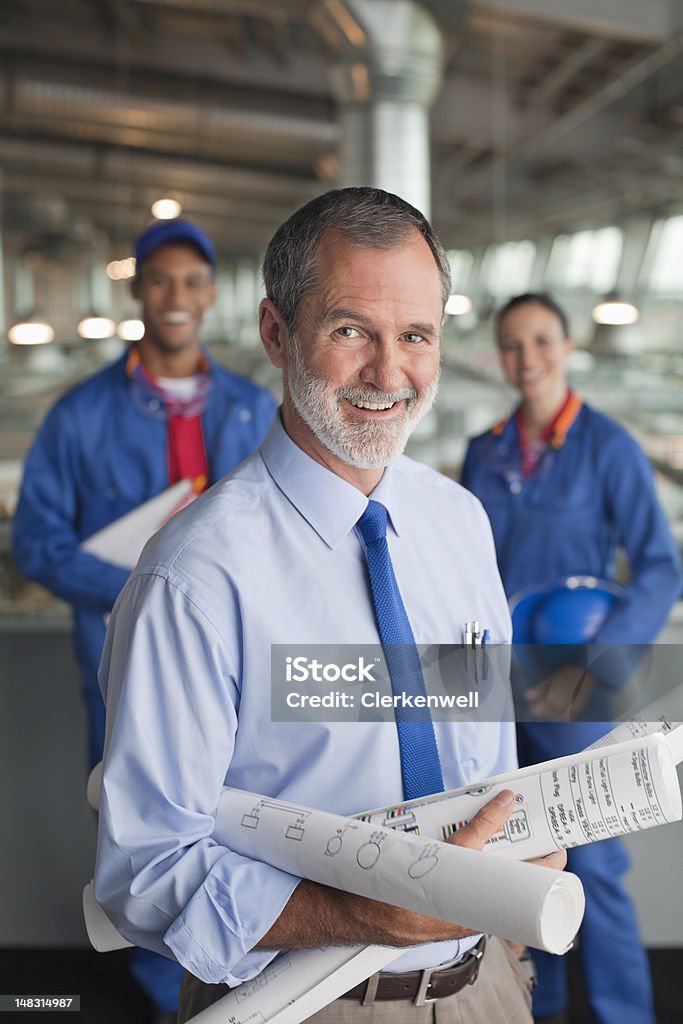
(369,217)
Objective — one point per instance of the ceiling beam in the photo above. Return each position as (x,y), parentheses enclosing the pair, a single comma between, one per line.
(578,58)
(304,72)
(464,109)
(637,20)
(624,80)
(45,159)
(121,18)
(270,9)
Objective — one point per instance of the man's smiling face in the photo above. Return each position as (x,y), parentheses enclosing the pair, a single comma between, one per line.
(363,367)
(175,286)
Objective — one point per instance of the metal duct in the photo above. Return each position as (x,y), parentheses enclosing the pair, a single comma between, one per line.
(70,101)
(387,77)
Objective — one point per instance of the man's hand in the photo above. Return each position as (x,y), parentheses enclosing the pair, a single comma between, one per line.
(489,820)
(486,822)
(317,915)
(562,695)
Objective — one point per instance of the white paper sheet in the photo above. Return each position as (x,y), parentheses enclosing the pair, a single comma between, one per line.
(121,542)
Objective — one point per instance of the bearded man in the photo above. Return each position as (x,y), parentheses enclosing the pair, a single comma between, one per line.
(286,550)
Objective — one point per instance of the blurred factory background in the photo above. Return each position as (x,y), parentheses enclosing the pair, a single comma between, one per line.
(545,139)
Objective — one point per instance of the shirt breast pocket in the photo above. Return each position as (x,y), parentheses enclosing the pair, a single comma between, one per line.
(570,494)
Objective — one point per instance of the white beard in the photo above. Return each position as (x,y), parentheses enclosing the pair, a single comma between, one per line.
(363,444)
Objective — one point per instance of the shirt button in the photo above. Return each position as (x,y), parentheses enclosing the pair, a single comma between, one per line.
(154,404)
(515,487)
(245,415)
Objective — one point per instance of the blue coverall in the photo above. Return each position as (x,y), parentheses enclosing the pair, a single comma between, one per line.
(583,499)
(101,452)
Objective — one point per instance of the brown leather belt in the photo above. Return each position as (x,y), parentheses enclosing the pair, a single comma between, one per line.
(421,986)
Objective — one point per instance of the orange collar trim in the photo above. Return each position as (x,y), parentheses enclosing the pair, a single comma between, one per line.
(565,420)
(562,426)
(133,360)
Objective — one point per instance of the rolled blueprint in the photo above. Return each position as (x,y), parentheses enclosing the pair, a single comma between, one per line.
(598,793)
(93,788)
(569,801)
(298,984)
(531,904)
(102,934)
(664,715)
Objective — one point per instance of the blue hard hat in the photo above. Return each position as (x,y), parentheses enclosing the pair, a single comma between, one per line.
(568,612)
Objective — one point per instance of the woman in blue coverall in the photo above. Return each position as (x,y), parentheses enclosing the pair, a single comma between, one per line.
(564,486)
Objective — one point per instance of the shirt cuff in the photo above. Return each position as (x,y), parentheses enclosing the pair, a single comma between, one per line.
(214,937)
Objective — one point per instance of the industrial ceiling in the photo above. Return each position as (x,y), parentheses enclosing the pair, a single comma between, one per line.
(550,114)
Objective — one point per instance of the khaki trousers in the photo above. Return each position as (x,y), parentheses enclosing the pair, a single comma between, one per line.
(500,995)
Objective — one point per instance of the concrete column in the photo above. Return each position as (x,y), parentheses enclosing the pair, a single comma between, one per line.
(386,80)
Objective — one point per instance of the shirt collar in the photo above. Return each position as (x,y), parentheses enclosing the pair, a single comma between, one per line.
(556,434)
(329,504)
(134,360)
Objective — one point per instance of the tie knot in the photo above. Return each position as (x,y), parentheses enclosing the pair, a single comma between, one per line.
(373,523)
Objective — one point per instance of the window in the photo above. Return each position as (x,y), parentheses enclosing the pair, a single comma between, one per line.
(460,262)
(506,269)
(665,256)
(587,259)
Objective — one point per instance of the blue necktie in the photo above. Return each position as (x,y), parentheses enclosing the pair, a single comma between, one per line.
(420,765)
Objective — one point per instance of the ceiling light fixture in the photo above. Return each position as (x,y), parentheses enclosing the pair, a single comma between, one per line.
(458,305)
(616,313)
(131,330)
(32,330)
(95,328)
(30,326)
(166,208)
(121,270)
(96,298)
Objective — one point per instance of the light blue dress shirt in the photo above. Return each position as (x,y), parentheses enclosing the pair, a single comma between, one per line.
(269,555)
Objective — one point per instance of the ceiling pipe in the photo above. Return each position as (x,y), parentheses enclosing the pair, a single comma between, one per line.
(134,111)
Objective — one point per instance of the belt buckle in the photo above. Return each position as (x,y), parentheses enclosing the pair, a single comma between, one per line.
(477,952)
(421,996)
